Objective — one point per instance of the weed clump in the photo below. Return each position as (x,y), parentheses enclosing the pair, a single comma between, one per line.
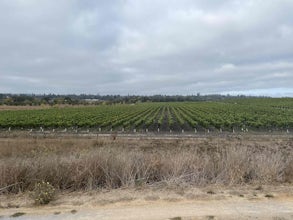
(269,196)
(17,214)
(43,193)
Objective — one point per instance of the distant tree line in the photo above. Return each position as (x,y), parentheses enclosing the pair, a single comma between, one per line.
(88,99)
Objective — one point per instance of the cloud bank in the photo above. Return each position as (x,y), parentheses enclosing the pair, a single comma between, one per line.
(147,47)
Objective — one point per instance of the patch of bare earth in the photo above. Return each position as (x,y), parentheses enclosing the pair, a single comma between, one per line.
(160,202)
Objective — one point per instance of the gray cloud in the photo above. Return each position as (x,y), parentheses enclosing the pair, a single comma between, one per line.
(146,47)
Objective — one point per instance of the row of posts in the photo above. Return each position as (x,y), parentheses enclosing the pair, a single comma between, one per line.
(134,130)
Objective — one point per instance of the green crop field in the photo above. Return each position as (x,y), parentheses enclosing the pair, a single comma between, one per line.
(232,114)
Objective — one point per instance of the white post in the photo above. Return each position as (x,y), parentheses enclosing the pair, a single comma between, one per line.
(195,130)
(158,129)
(182,130)
(134,130)
(146,130)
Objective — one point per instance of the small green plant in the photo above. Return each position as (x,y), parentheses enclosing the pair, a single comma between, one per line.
(17,214)
(176,218)
(73,211)
(259,188)
(43,193)
(211,192)
(269,196)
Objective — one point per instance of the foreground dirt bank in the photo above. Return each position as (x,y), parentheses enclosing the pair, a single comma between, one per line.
(157,203)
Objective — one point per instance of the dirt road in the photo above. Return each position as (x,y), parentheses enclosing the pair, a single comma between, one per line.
(185,210)
(147,205)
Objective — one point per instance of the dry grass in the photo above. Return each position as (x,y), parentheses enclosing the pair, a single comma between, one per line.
(86,164)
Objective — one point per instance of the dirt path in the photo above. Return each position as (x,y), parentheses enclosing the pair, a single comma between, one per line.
(193,204)
(184,210)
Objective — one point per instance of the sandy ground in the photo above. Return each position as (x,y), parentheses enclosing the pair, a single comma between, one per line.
(157,203)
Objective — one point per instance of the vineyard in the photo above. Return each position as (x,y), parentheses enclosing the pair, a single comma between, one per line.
(228,115)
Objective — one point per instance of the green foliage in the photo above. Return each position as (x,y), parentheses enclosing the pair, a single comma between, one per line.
(238,114)
(43,193)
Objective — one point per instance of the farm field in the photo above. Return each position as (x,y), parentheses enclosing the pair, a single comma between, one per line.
(257,114)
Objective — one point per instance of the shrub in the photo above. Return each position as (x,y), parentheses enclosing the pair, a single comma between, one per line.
(43,193)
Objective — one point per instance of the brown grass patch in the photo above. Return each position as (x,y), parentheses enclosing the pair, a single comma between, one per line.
(86,164)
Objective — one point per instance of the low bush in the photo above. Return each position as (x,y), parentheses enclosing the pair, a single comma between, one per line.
(43,193)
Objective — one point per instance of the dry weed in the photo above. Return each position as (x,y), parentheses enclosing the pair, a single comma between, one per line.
(113,164)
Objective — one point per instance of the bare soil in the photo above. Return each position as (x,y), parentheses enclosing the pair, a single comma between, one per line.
(160,203)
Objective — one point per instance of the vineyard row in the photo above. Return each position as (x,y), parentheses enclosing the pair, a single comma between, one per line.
(156,116)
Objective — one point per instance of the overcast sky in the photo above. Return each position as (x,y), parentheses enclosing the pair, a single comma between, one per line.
(147,46)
